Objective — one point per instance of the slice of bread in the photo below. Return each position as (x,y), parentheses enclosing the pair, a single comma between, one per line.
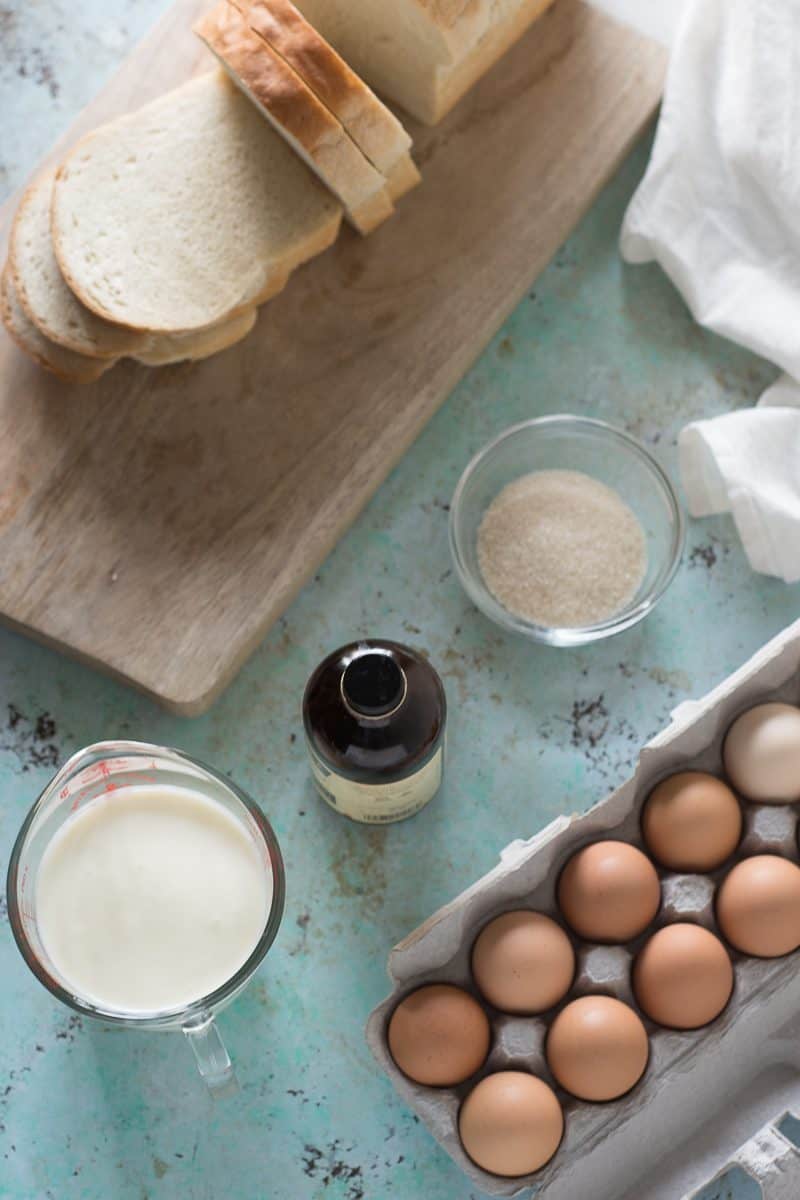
(66,364)
(403,177)
(424,54)
(295,112)
(187,212)
(41,288)
(375,130)
(157,350)
(60,316)
(165,348)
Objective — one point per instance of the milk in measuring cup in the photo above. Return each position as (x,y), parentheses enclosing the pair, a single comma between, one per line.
(151,897)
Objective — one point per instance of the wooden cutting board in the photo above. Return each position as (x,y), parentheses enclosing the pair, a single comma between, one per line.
(156,523)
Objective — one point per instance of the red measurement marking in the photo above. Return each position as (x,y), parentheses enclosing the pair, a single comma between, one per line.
(91,775)
(62,795)
(75,804)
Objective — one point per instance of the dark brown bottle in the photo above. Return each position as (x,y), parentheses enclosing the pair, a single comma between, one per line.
(374,714)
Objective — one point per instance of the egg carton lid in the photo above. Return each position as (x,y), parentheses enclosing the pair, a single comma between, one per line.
(770,1159)
(707,1109)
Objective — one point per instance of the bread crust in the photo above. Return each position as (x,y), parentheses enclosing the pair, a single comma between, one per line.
(374,129)
(403,177)
(65,364)
(298,114)
(453,82)
(167,349)
(158,351)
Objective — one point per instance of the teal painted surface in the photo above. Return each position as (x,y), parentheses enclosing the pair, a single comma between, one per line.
(87,1114)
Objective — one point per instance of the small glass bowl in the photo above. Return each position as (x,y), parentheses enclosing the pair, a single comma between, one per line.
(570,443)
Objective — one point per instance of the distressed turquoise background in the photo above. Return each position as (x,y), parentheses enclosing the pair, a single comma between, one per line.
(91,1114)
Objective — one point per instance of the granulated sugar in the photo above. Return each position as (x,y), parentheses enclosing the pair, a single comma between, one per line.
(561,549)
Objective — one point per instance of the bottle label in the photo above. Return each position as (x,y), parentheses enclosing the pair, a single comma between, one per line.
(378,803)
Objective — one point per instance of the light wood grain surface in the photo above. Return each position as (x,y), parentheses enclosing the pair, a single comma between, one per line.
(157,522)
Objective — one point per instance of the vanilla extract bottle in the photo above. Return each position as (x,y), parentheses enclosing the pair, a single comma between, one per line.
(374,714)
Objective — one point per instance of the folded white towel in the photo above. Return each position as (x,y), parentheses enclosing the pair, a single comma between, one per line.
(748,463)
(719,206)
(719,209)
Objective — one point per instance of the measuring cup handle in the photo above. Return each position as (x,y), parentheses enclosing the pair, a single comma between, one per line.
(212,1058)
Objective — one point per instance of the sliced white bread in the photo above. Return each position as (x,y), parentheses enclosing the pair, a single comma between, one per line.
(165,348)
(424,54)
(42,291)
(157,351)
(374,129)
(403,177)
(295,112)
(187,212)
(66,364)
(59,315)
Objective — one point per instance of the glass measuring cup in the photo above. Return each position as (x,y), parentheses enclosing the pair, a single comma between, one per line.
(100,770)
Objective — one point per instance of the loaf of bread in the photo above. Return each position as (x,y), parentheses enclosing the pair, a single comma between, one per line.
(187,212)
(424,54)
(161,232)
(294,110)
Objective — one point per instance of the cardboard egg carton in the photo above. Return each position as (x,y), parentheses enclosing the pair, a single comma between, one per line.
(707,1095)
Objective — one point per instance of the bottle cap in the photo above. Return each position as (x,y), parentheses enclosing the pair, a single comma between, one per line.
(373,684)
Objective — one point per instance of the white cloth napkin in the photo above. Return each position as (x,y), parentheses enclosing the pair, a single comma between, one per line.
(719,209)
(748,463)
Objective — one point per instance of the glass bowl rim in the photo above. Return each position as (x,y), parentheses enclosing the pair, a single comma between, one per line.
(574,635)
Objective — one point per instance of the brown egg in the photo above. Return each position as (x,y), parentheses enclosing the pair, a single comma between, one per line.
(609,892)
(511,1123)
(597,1048)
(762,753)
(683,977)
(691,822)
(523,962)
(758,906)
(439,1035)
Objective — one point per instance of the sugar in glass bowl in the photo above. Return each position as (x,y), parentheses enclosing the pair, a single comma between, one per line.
(570,443)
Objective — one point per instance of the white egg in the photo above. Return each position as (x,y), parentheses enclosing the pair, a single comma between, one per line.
(762,753)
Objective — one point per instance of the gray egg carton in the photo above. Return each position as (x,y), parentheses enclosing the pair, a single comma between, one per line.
(705,1093)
